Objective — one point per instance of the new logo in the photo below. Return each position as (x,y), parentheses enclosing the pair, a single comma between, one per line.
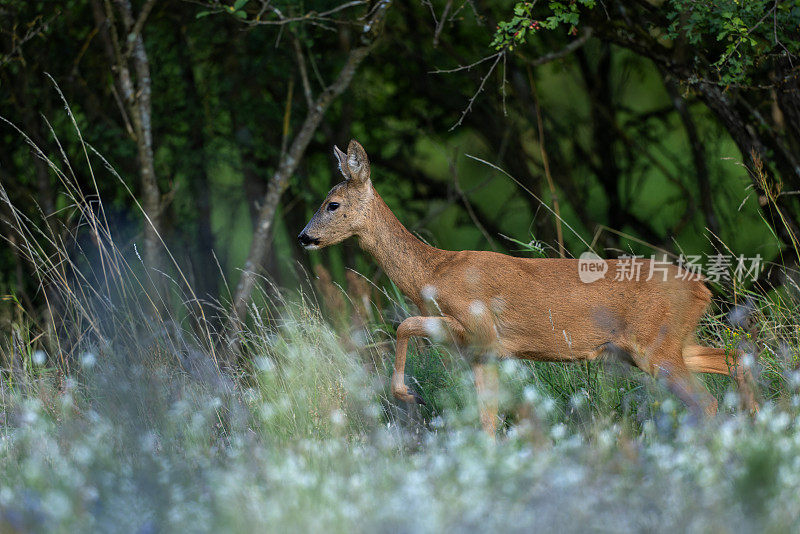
(591,267)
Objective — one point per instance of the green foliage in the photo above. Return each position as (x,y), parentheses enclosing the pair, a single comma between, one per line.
(302,364)
(142,431)
(528,19)
(737,36)
(532,247)
(226,97)
(149,437)
(235,9)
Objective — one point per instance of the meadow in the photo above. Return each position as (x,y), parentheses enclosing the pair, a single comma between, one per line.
(172,360)
(138,416)
(146,434)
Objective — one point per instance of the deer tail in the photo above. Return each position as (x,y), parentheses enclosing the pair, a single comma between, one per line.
(701,359)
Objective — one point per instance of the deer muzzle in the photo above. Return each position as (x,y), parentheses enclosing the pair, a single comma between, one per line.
(307,241)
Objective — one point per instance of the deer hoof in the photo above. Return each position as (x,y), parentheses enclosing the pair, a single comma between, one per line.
(407,394)
(417,398)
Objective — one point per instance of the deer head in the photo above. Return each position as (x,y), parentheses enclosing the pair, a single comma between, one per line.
(346,208)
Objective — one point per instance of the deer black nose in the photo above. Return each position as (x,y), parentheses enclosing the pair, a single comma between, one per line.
(306,240)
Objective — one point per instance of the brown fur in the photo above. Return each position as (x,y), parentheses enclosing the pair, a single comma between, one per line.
(535,309)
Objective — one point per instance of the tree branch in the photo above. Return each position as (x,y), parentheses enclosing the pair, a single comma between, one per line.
(698,157)
(558,54)
(286,167)
(136,30)
(301,64)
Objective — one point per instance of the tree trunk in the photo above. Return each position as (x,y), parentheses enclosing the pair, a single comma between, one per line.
(756,140)
(280,180)
(136,95)
(205,273)
(141,110)
(287,166)
(698,158)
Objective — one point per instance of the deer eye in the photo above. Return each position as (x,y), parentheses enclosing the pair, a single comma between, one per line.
(333,206)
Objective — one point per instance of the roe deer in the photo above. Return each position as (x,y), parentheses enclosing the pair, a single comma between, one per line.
(536,309)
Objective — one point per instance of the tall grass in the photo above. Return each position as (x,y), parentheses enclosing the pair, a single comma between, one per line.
(118,418)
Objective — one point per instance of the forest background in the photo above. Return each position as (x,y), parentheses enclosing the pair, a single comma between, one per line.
(171,359)
(648,127)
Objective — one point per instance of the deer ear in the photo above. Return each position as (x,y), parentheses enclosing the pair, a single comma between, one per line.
(357,162)
(341,158)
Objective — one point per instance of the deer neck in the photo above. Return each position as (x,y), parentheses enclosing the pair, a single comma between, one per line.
(406,260)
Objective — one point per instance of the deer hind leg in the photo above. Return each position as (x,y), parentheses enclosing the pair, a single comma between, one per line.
(487,386)
(418,327)
(701,359)
(668,353)
(665,361)
(681,382)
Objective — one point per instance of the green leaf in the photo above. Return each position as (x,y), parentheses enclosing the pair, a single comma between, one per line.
(239,4)
(240,14)
(202,14)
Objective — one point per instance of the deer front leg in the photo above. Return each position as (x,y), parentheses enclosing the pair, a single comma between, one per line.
(487,386)
(421,327)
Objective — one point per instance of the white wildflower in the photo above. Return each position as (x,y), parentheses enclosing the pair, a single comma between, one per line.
(429,292)
(780,422)
(265,364)
(578,399)
(88,360)
(668,406)
(530,394)
(57,504)
(148,441)
(39,357)
(731,399)
(509,367)
(337,417)
(794,379)
(433,327)
(558,431)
